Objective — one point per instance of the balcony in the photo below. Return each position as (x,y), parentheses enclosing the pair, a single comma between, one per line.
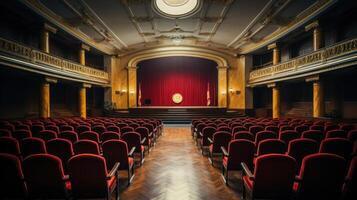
(337,56)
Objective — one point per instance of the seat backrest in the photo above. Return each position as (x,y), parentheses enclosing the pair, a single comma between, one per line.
(301,128)
(285,128)
(133,139)
(69,135)
(289,135)
(300,148)
(263,135)
(350,186)
(255,129)
(221,139)
(322,176)
(8,126)
(274,129)
(269,146)
(116,151)
(46,135)
(21,134)
(352,135)
(30,146)
(5,133)
(99,129)
(9,145)
(207,132)
(44,176)
(143,131)
(244,135)
(338,146)
(274,176)
(126,129)
(82,128)
(89,135)
(316,135)
(336,134)
(61,148)
(223,128)
(66,128)
(86,147)
(239,151)
(109,135)
(53,128)
(113,128)
(347,127)
(238,129)
(88,175)
(11,181)
(330,127)
(317,128)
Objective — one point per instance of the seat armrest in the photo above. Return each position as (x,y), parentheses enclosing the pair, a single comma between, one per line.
(224,151)
(130,154)
(65,178)
(150,135)
(114,170)
(143,140)
(298,179)
(201,134)
(209,140)
(247,171)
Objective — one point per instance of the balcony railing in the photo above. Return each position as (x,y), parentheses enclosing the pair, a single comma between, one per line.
(301,64)
(37,57)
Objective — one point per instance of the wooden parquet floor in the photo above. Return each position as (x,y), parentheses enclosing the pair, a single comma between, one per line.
(176,170)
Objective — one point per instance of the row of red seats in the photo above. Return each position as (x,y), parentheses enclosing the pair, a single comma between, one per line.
(216,135)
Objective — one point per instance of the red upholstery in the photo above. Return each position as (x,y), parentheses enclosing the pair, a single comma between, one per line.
(69,135)
(316,135)
(88,175)
(238,129)
(99,129)
(352,135)
(53,128)
(301,128)
(255,129)
(286,128)
(117,151)
(244,135)
(8,126)
(207,132)
(263,135)
(133,139)
(347,127)
(274,129)
(89,135)
(269,146)
(239,151)
(300,148)
(322,176)
(30,146)
(21,134)
(349,188)
(44,176)
(22,127)
(220,139)
(114,128)
(82,128)
(273,177)
(11,182)
(86,147)
(66,128)
(338,146)
(336,134)
(5,133)
(144,133)
(127,129)
(223,128)
(61,148)
(289,135)
(9,145)
(46,135)
(317,128)
(331,127)
(109,135)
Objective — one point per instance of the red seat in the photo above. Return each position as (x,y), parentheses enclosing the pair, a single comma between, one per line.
(144,133)
(113,128)
(316,135)
(349,188)
(5,133)
(89,135)
(12,179)
(53,128)
(126,129)
(263,135)
(286,128)
(21,134)
(30,146)
(330,127)
(117,151)
(237,129)
(255,129)
(317,128)
(321,177)
(90,178)
(82,128)
(61,148)
(86,147)
(274,129)
(269,146)
(207,132)
(109,135)
(238,151)
(301,128)
(10,146)
(336,134)
(352,135)
(46,135)
(66,128)
(273,177)
(289,135)
(22,127)
(99,129)
(244,135)
(133,139)
(220,139)
(69,135)
(347,127)
(8,126)
(224,128)
(44,176)
(338,146)
(300,148)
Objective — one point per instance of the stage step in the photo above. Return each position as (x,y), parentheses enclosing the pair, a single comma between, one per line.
(175,115)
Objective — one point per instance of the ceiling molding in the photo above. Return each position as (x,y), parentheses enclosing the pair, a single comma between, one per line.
(42,10)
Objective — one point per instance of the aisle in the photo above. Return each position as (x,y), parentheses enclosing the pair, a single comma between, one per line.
(176,170)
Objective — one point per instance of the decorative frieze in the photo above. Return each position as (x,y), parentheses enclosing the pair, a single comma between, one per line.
(39,57)
(316,57)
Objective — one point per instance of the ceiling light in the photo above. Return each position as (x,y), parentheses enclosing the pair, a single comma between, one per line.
(176,8)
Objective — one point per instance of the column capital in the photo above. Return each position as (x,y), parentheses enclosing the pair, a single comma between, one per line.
(50,80)
(222,67)
(273,46)
(131,67)
(272,85)
(312,79)
(47,27)
(312,25)
(86,85)
(85,47)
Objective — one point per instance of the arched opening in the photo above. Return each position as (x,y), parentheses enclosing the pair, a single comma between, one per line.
(193,80)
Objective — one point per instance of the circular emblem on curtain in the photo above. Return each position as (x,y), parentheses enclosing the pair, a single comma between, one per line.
(177,98)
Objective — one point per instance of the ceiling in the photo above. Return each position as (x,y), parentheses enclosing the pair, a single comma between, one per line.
(127,25)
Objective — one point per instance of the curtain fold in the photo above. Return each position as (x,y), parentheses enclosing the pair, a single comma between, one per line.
(161,78)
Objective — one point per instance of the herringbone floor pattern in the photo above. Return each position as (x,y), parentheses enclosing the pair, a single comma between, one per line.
(176,170)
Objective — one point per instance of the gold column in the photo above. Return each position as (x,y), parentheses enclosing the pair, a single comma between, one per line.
(317,35)
(82,100)
(276,100)
(45,100)
(318,100)
(222,86)
(276,53)
(45,37)
(82,53)
(132,81)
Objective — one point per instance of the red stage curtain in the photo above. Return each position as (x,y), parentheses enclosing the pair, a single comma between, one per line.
(160,78)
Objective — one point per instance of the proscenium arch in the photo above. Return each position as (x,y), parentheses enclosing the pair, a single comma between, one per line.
(217,57)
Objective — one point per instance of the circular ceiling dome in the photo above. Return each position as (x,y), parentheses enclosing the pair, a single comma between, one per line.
(176,8)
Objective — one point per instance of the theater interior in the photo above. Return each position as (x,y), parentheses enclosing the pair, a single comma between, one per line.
(178,99)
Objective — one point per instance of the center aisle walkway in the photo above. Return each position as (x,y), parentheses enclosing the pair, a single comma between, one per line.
(176,170)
